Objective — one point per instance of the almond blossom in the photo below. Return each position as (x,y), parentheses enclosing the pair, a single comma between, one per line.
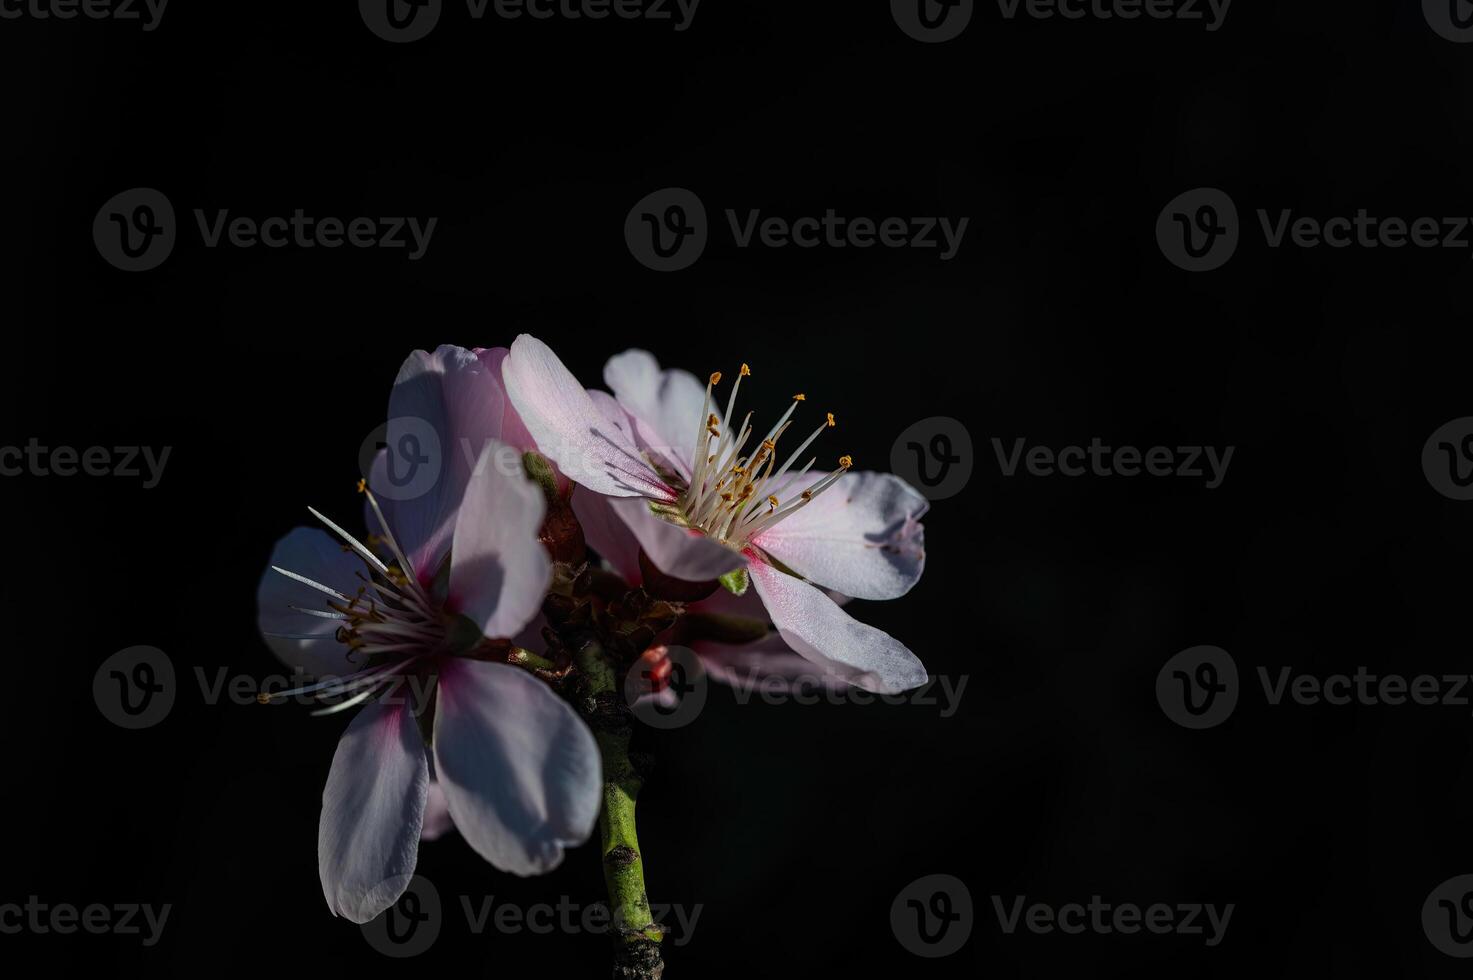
(706,500)
(421,615)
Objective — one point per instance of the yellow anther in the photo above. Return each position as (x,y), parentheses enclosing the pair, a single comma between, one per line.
(362,486)
(263,699)
(845,462)
(726,497)
(768,445)
(712,419)
(832,423)
(800,397)
(746,370)
(772,499)
(807,495)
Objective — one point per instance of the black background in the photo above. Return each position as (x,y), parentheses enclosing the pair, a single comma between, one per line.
(1059,599)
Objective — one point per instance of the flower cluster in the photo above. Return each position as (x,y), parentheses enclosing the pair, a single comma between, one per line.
(448,624)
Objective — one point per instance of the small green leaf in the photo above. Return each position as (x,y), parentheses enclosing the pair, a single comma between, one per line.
(736,582)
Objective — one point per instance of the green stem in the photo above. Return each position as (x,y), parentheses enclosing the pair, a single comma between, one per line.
(635,933)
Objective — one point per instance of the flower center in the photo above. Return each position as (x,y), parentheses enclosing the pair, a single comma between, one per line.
(733,497)
(388,624)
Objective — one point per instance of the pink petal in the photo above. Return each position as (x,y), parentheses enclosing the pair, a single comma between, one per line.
(456,395)
(570,430)
(520,770)
(678,552)
(372,810)
(669,405)
(607,534)
(813,625)
(861,537)
(767,665)
(437,822)
(498,568)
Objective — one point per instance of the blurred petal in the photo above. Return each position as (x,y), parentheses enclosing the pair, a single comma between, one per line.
(767,665)
(437,822)
(861,537)
(519,768)
(498,568)
(300,639)
(570,429)
(372,810)
(813,625)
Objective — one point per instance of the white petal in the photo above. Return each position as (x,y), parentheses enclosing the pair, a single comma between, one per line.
(813,625)
(372,810)
(455,395)
(861,537)
(498,568)
(670,404)
(519,768)
(570,429)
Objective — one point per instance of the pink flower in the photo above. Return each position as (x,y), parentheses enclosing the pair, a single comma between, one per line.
(517,770)
(704,500)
